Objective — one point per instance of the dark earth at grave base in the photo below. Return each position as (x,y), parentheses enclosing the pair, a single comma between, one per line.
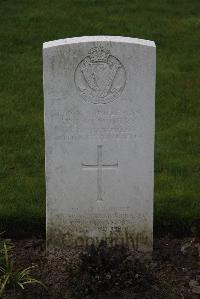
(175,268)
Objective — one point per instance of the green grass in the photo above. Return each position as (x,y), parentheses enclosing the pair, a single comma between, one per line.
(175,27)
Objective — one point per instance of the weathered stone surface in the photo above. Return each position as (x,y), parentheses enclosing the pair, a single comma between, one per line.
(99,135)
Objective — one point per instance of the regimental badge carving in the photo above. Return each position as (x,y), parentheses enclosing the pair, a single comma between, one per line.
(100,77)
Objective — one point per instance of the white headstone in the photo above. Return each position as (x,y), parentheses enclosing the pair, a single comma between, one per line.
(99,133)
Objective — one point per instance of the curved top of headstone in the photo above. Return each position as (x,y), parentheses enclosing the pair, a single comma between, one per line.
(98,38)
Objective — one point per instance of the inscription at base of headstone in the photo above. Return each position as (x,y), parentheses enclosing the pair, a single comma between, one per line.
(99,140)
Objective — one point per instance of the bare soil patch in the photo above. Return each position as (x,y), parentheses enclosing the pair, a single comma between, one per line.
(175,267)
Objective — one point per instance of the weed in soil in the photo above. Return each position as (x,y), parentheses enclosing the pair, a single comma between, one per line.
(109,270)
(13,282)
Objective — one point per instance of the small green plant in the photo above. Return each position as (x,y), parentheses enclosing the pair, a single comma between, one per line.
(104,270)
(10,278)
(9,247)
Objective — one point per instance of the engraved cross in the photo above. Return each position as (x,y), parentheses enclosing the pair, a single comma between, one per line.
(99,166)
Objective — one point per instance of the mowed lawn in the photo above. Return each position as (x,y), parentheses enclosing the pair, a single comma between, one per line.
(175,27)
